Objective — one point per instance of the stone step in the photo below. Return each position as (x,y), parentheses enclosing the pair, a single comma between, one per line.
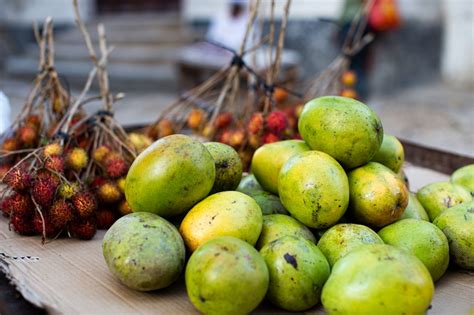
(123,76)
(138,53)
(144,36)
(138,21)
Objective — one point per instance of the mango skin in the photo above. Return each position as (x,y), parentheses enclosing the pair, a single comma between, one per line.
(228,213)
(464,176)
(414,209)
(268,203)
(422,239)
(391,153)
(457,223)
(249,184)
(144,251)
(170,176)
(344,128)
(378,196)
(378,279)
(269,159)
(298,271)
(279,225)
(437,197)
(314,188)
(226,276)
(341,239)
(228,166)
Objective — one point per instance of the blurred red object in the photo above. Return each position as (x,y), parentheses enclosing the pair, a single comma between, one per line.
(384,15)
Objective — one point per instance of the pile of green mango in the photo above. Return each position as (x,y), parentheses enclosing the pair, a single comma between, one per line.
(325,219)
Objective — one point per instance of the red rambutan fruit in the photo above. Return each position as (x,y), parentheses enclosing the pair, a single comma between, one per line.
(255,125)
(21,205)
(77,159)
(49,229)
(18,179)
(269,138)
(10,144)
(115,166)
(28,135)
(105,218)
(108,192)
(5,206)
(83,229)
(55,163)
(22,225)
(60,213)
(43,191)
(53,149)
(84,203)
(124,208)
(276,121)
(34,121)
(100,153)
(223,120)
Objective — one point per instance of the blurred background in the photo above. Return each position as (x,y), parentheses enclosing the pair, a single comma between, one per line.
(417,76)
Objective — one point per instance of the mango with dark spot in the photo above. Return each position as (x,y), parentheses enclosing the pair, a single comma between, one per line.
(464,176)
(404,178)
(437,197)
(378,279)
(279,225)
(457,223)
(422,239)
(391,153)
(414,209)
(342,127)
(226,276)
(144,251)
(314,188)
(341,239)
(228,166)
(378,196)
(298,271)
(170,176)
(228,213)
(249,184)
(269,159)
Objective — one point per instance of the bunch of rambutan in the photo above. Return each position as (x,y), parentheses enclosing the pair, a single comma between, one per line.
(44,197)
(109,185)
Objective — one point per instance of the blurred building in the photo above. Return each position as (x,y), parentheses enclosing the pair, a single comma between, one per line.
(436,37)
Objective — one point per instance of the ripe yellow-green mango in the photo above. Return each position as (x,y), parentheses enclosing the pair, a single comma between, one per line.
(298,271)
(269,158)
(170,176)
(422,239)
(391,153)
(228,166)
(378,279)
(344,128)
(457,223)
(249,184)
(279,225)
(144,251)
(228,213)
(414,209)
(226,276)
(378,196)
(341,239)
(437,197)
(464,176)
(313,187)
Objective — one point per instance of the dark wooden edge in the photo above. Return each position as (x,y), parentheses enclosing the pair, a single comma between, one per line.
(417,154)
(435,159)
(12,302)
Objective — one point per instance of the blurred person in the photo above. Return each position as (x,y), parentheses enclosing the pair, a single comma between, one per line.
(382,16)
(228,27)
